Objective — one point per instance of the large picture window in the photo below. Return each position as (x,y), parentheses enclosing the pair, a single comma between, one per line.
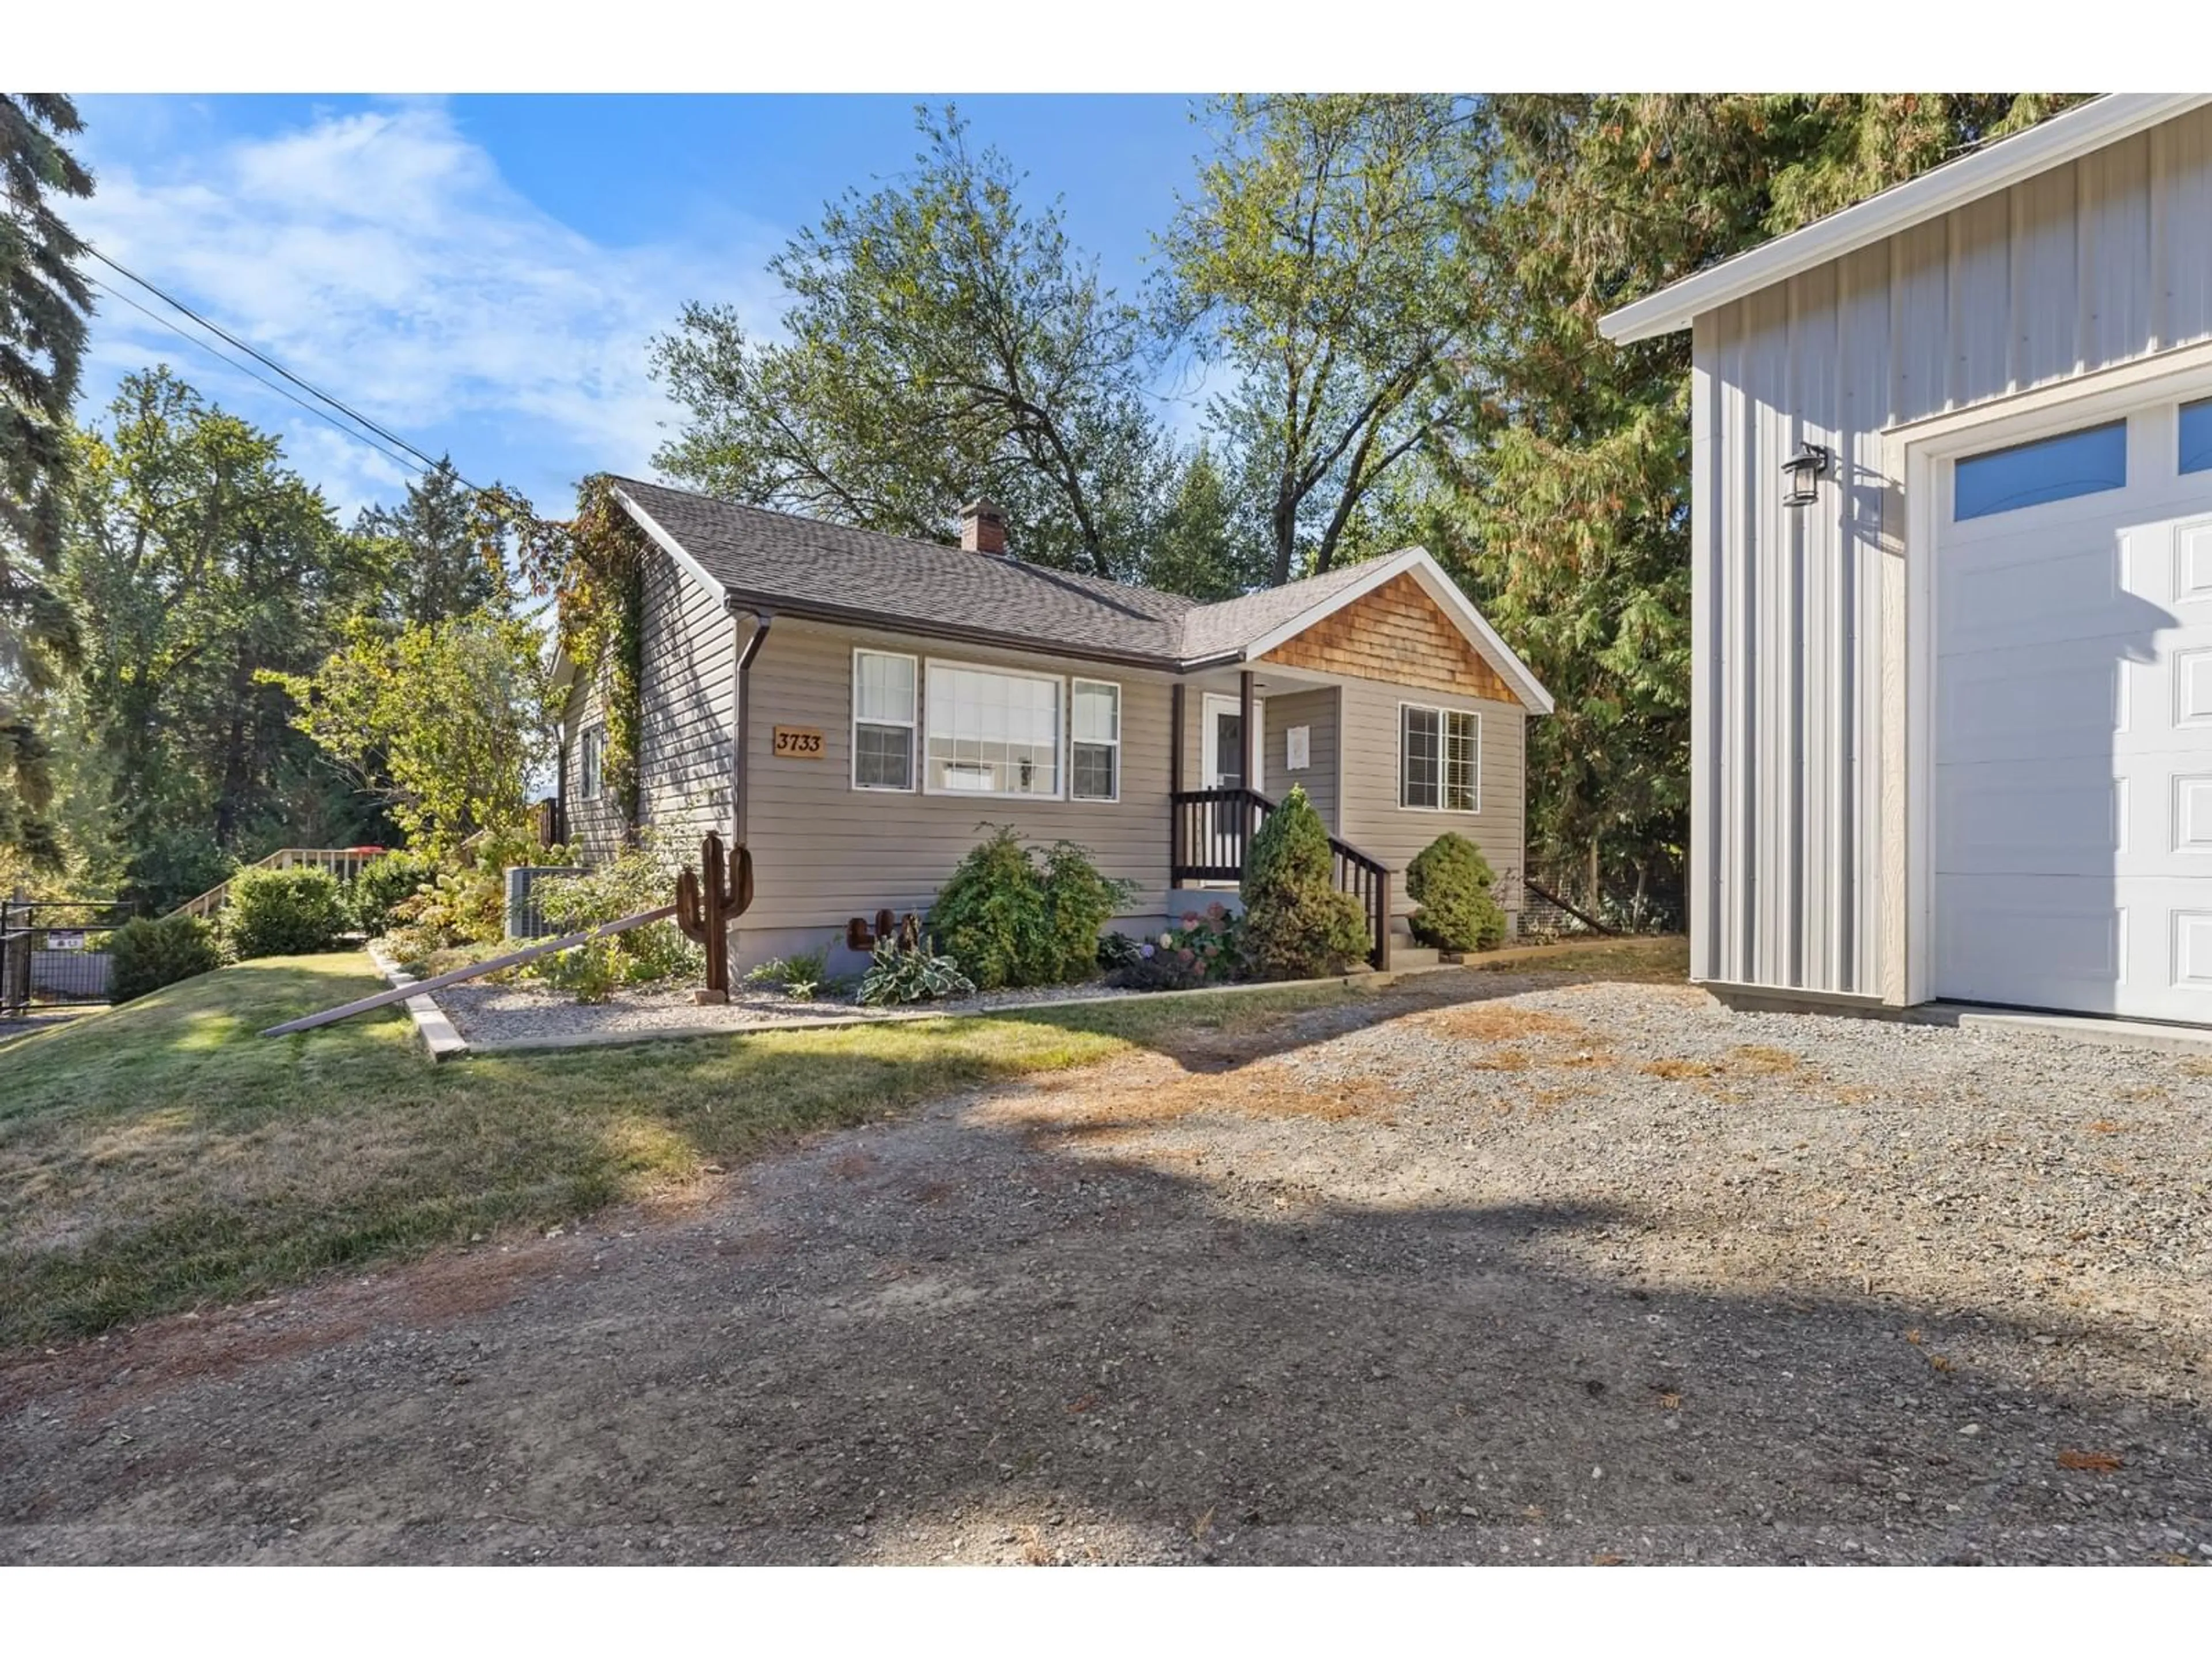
(991,731)
(882,720)
(1094,749)
(1439,759)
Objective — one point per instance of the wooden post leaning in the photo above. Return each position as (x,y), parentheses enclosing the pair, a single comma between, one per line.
(705,915)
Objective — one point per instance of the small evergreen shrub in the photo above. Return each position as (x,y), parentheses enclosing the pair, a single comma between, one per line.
(383,883)
(282,913)
(1450,880)
(1012,915)
(146,954)
(1298,924)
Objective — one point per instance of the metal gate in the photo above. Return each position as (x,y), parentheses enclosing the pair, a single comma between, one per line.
(53,952)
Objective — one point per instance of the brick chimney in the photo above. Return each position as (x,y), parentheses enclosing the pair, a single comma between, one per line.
(982,527)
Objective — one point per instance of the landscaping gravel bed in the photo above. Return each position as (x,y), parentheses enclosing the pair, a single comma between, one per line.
(1477,1267)
(499,1013)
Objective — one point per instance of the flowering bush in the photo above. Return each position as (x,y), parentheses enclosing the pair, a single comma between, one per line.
(1205,950)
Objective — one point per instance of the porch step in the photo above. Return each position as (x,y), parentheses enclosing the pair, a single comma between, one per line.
(1404,956)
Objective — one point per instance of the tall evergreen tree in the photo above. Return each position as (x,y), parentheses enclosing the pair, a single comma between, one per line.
(436,564)
(1570,513)
(44,300)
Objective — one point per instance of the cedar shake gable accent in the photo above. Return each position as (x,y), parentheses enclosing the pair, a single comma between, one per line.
(1396,633)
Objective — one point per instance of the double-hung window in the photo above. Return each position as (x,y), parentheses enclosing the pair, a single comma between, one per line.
(591,760)
(882,720)
(991,731)
(1439,759)
(1094,749)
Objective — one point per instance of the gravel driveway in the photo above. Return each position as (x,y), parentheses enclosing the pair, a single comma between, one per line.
(1483,1269)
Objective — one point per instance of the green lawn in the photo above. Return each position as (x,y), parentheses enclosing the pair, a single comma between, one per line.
(163,1155)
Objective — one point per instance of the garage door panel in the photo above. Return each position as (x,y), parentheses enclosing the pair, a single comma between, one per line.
(2029,817)
(2039,941)
(2031,702)
(2072,764)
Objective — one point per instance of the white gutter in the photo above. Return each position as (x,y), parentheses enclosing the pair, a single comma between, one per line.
(2050,143)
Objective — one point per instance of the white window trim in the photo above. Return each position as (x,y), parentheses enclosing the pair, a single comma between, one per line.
(584,734)
(1066,724)
(1067,760)
(853,725)
(1441,710)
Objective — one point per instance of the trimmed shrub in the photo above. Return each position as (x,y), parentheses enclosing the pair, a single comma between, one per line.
(383,883)
(1451,879)
(1012,915)
(146,954)
(282,913)
(1298,924)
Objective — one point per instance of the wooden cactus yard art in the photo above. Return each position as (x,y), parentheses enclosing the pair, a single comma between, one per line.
(705,908)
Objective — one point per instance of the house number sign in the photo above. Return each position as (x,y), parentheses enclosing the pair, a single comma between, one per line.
(799,742)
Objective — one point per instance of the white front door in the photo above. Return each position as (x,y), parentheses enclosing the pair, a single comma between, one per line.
(1223,745)
(2072,729)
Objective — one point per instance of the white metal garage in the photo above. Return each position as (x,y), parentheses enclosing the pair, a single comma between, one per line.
(1951,582)
(2072,733)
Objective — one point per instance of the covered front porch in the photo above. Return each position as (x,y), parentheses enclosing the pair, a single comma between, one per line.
(1242,740)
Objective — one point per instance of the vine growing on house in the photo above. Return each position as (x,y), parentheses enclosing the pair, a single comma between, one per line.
(590,565)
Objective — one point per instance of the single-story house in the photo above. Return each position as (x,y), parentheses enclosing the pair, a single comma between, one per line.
(855,708)
(1952,582)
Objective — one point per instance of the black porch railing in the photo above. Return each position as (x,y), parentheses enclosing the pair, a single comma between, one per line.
(1212,831)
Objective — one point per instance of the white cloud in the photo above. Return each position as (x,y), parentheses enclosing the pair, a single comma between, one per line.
(382,255)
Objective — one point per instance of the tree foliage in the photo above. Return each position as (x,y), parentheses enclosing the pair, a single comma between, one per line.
(442,722)
(436,560)
(1298,924)
(197,559)
(1326,264)
(1562,496)
(943,341)
(44,300)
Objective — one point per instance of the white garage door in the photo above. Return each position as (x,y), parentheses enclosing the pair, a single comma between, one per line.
(2073,720)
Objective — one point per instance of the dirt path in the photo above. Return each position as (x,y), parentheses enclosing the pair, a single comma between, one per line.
(1590,1271)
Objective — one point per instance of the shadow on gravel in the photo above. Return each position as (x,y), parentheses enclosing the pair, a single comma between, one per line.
(959,1338)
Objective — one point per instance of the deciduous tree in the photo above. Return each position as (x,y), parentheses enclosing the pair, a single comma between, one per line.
(943,341)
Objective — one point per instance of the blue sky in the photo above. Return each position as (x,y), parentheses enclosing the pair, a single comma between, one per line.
(482,274)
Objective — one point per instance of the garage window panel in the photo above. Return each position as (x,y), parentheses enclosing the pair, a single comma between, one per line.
(2048,470)
(2197,436)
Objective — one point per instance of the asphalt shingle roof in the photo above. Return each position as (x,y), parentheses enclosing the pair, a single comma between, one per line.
(803,564)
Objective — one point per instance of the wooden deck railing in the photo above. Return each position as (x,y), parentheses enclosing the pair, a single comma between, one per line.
(1212,830)
(342,862)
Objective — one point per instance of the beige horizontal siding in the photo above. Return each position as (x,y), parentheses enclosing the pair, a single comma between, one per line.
(595,826)
(1316,711)
(687,703)
(824,851)
(1378,826)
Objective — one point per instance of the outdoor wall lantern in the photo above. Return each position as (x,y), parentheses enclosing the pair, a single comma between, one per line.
(1804,471)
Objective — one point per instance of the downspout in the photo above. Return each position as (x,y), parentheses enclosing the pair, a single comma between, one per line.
(742,690)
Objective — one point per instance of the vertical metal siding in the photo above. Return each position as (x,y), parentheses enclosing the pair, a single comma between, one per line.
(2089,265)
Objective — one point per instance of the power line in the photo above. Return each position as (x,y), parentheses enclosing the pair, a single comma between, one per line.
(307,387)
(401,462)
